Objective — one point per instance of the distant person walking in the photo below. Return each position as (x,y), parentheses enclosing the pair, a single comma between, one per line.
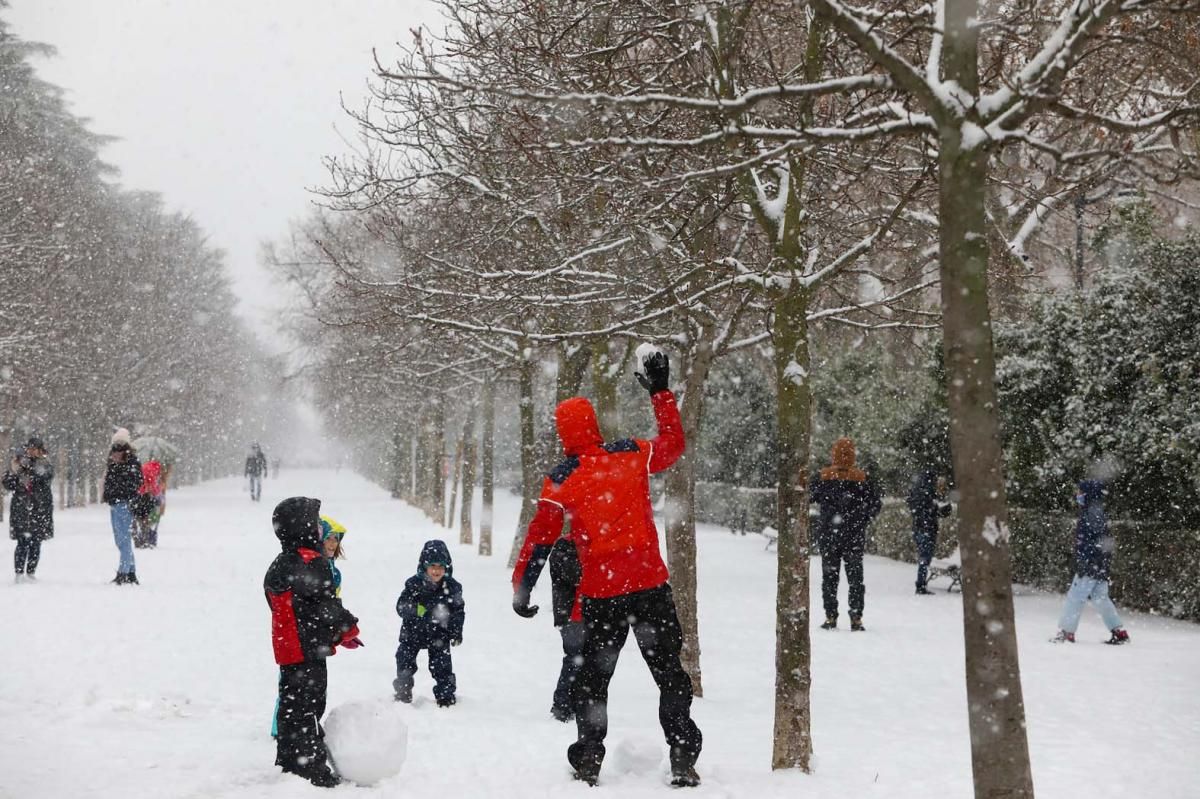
(848,504)
(31,512)
(122,479)
(1093,557)
(256,470)
(148,506)
(926,503)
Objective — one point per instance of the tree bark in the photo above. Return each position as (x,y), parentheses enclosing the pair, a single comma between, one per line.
(454,476)
(996,708)
(605,376)
(793,651)
(465,533)
(488,462)
(680,505)
(529,487)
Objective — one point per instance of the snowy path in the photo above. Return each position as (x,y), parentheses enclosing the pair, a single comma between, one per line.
(165,690)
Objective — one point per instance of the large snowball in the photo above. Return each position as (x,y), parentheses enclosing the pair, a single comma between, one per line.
(367,740)
(644,351)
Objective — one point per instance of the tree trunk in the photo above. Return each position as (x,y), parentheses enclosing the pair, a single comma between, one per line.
(465,533)
(529,488)
(996,707)
(606,372)
(454,475)
(437,508)
(680,504)
(488,462)
(793,653)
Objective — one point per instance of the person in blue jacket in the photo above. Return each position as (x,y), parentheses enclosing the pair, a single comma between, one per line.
(926,503)
(1093,558)
(432,612)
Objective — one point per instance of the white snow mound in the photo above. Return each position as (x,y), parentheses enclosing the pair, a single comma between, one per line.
(367,740)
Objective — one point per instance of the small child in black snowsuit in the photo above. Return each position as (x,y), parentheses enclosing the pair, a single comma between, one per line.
(431,607)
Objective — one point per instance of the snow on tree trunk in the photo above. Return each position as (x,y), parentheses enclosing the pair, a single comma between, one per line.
(455,473)
(529,484)
(996,708)
(488,464)
(793,679)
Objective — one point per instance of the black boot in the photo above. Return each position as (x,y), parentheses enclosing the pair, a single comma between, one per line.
(131,579)
(856,624)
(830,623)
(119,579)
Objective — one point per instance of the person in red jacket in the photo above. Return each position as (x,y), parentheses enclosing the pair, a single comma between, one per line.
(603,491)
(308,623)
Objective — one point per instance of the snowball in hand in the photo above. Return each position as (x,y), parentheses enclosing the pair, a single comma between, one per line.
(644,351)
(367,741)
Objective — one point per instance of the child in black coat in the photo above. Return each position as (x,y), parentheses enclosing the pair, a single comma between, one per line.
(431,607)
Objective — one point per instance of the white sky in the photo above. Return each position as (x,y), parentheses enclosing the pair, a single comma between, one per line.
(225,107)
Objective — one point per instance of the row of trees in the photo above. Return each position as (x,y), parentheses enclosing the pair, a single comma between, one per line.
(549,182)
(114,311)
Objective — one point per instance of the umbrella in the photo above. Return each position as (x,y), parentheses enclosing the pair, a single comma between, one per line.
(155,448)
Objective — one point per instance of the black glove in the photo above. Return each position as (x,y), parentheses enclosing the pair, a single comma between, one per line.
(654,373)
(522,607)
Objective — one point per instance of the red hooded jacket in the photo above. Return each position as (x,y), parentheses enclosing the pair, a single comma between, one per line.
(603,492)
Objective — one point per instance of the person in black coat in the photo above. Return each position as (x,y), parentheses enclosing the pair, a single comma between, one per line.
(926,504)
(122,478)
(31,512)
(308,623)
(256,470)
(849,501)
(432,613)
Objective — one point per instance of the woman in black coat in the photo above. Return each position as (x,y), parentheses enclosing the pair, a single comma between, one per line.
(31,513)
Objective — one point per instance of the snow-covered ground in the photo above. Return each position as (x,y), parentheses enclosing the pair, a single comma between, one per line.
(166,689)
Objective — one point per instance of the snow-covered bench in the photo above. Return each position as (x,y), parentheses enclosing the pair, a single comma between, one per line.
(949,567)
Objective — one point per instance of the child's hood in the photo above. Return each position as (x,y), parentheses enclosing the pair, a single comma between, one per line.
(435,551)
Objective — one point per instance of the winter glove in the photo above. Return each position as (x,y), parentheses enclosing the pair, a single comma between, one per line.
(421,610)
(654,373)
(455,641)
(522,607)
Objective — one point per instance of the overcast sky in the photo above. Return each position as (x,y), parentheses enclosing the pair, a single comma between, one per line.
(225,107)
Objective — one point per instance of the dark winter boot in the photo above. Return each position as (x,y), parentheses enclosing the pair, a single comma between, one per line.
(322,779)
(830,623)
(119,579)
(856,624)
(923,591)
(131,579)
(448,701)
(587,768)
(685,777)
(1119,636)
(403,689)
(1063,638)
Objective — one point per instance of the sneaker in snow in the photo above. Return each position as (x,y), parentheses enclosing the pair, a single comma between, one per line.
(1063,638)
(830,623)
(1119,636)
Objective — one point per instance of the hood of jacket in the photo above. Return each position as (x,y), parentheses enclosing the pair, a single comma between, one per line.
(577,425)
(297,523)
(843,468)
(435,551)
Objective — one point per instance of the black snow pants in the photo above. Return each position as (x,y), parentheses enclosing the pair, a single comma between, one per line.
(574,636)
(926,544)
(300,747)
(27,554)
(441,667)
(836,551)
(655,625)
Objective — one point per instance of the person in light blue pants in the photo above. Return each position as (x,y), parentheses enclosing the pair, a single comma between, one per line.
(1093,557)
(122,525)
(122,479)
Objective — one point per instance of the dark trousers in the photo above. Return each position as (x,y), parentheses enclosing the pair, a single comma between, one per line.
(300,747)
(834,553)
(440,666)
(655,625)
(574,636)
(27,554)
(926,544)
